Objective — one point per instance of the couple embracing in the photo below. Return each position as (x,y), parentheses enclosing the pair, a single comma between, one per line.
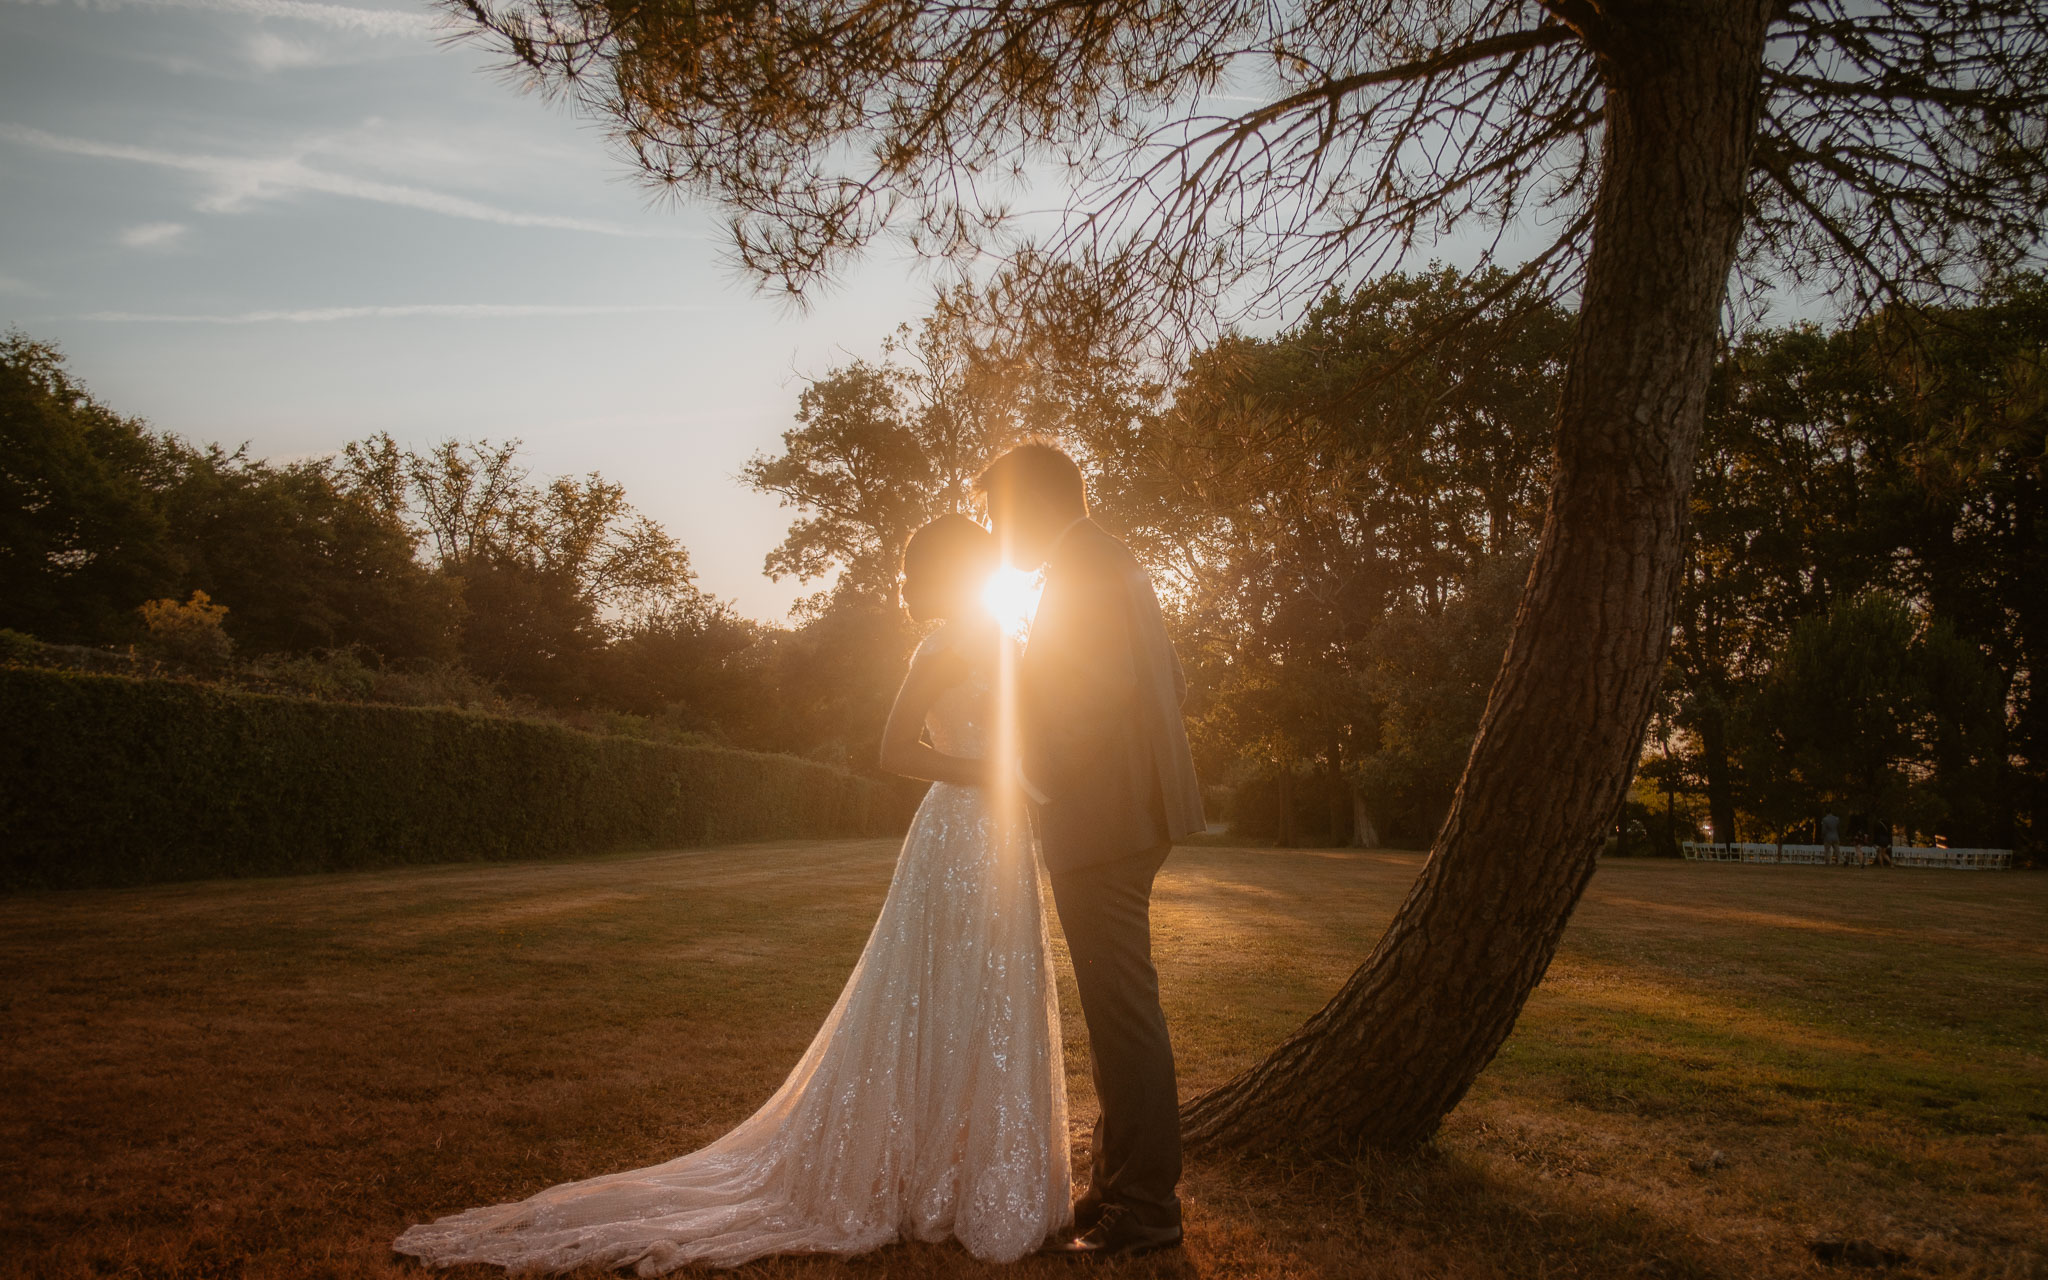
(932,1103)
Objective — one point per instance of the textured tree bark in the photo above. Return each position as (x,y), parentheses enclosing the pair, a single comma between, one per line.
(1398,1046)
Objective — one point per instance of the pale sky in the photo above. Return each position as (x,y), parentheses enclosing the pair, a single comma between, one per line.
(294,224)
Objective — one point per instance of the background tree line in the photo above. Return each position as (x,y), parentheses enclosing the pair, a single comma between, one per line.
(1341,528)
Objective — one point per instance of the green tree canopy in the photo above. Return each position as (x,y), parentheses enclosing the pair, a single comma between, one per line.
(82,537)
(1871,710)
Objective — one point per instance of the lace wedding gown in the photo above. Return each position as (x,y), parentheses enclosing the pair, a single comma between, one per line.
(931,1104)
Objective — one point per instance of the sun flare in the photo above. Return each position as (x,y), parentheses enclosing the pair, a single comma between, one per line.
(1011,596)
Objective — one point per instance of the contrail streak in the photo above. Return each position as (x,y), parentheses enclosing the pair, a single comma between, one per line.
(452,310)
(339,17)
(241,180)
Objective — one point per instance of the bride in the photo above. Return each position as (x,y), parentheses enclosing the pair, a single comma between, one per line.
(932,1103)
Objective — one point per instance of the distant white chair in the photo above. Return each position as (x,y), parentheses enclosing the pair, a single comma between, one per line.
(1953,859)
(1700,852)
(1803,854)
(1860,855)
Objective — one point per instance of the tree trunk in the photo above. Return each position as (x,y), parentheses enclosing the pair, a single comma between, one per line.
(1283,788)
(1713,724)
(1398,1046)
(2030,614)
(1337,796)
(1365,833)
(1621,820)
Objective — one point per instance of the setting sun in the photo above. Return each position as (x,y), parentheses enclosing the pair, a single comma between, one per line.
(1011,596)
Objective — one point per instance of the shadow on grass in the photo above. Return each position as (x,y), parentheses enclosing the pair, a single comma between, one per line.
(1434,1214)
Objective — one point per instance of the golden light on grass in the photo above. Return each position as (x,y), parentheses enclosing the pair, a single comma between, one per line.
(273,1077)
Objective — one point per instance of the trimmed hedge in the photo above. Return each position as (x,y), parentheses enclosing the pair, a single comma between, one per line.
(112,780)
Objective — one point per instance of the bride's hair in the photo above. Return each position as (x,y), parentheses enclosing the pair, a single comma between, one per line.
(945,564)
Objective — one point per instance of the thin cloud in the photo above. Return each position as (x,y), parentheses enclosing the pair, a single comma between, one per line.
(338,17)
(152,235)
(443,310)
(241,181)
(272,52)
(15,287)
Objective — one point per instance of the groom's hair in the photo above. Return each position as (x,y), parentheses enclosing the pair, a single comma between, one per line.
(1040,469)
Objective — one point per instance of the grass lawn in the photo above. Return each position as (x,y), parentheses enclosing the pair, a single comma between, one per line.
(1726,1064)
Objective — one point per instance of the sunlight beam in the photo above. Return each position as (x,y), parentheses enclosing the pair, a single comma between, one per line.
(1011,597)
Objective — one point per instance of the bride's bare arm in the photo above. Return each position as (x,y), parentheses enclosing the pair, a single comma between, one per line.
(902,752)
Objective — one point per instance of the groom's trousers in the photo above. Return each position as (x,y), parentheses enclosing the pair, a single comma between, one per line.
(1106,913)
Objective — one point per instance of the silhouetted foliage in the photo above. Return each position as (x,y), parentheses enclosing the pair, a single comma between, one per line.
(1242,155)
(82,534)
(1874,712)
(1900,454)
(1327,544)
(1341,568)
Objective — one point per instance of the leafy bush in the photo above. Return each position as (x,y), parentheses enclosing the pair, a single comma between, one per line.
(189,633)
(351,674)
(441,684)
(333,675)
(19,649)
(108,780)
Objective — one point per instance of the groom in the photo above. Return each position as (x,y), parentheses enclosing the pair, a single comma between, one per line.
(1105,761)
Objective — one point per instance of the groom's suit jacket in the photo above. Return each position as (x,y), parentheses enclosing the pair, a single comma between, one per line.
(1100,692)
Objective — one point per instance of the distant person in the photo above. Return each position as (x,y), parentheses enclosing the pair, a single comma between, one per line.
(1831,837)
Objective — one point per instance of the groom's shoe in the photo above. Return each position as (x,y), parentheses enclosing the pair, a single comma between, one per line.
(1115,1233)
(1087,1212)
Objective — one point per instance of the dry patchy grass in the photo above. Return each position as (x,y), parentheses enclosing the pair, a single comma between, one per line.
(271,1078)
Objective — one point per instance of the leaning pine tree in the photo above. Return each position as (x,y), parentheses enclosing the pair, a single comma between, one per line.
(1642,151)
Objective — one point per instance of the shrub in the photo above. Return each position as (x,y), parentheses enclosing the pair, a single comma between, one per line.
(19,649)
(334,675)
(108,780)
(442,684)
(189,633)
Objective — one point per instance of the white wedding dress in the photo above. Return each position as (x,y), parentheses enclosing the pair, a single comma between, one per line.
(932,1103)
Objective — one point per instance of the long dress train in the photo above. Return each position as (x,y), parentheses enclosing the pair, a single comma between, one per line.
(931,1104)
